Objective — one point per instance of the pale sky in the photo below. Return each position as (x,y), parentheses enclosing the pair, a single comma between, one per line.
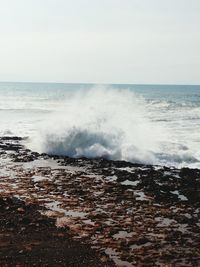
(100,41)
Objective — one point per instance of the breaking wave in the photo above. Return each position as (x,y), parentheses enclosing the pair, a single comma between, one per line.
(102,122)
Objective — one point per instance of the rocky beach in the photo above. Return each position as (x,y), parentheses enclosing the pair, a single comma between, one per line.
(61,211)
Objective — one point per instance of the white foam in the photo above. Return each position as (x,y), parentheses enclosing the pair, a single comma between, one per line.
(102,122)
(105,122)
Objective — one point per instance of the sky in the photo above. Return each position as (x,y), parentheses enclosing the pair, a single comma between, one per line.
(100,41)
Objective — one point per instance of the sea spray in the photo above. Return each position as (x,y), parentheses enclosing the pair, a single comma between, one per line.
(102,122)
(157,124)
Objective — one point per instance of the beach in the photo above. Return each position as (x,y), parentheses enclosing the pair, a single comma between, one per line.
(30,239)
(129,214)
(100,133)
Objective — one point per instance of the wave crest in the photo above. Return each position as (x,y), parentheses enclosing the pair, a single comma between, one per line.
(102,122)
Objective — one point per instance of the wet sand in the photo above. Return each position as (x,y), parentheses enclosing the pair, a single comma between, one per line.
(128,214)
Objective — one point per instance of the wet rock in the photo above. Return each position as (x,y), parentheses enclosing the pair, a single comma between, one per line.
(138,215)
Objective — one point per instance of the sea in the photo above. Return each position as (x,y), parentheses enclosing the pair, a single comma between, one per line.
(150,124)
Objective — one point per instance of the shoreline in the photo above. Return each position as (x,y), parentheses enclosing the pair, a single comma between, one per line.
(132,214)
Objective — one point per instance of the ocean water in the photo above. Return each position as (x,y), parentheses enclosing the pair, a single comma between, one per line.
(153,124)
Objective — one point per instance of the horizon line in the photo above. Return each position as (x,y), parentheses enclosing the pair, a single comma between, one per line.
(95,83)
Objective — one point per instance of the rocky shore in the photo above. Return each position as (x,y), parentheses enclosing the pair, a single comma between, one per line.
(59,211)
(29,238)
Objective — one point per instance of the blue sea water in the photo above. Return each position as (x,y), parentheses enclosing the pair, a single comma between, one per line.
(156,124)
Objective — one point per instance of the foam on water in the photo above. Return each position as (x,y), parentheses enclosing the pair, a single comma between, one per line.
(146,124)
(102,122)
